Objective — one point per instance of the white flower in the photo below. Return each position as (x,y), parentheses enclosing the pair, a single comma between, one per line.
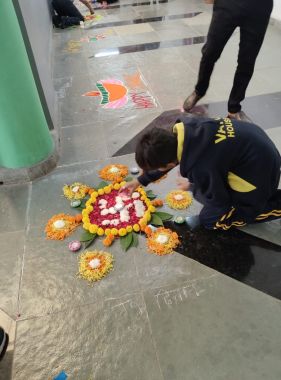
(124,215)
(112,210)
(139,207)
(119,206)
(113,169)
(75,189)
(95,263)
(105,222)
(104,212)
(128,206)
(135,195)
(162,239)
(178,197)
(115,222)
(59,224)
(118,199)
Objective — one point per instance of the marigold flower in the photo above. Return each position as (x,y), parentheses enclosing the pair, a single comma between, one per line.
(60,226)
(178,199)
(94,265)
(75,191)
(114,173)
(162,241)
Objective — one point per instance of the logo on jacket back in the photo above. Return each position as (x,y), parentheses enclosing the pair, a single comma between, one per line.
(226,130)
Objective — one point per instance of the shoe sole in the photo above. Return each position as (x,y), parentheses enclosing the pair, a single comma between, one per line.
(4,346)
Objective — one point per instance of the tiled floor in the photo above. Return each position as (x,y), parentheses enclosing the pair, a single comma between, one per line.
(208,312)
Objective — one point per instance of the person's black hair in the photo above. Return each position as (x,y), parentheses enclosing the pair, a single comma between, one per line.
(156,149)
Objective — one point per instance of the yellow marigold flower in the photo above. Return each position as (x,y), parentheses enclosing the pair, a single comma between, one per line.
(107,231)
(86,225)
(116,186)
(100,191)
(100,231)
(122,232)
(93,228)
(94,194)
(123,183)
(84,212)
(178,199)
(94,265)
(75,191)
(107,189)
(114,231)
(151,209)
(136,227)
(129,228)
(89,209)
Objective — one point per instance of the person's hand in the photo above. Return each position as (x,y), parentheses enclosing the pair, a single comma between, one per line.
(130,187)
(183,184)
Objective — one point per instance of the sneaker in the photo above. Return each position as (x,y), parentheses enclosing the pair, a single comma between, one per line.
(190,102)
(240,116)
(4,341)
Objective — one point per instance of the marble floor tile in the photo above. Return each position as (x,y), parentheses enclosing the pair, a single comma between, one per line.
(220,329)
(13,207)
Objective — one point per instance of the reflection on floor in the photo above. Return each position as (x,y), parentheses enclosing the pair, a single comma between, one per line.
(245,258)
(183,316)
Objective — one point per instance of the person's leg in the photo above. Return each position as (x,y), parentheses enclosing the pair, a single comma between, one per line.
(221,28)
(209,216)
(252,32)
(67,8)
(272,210)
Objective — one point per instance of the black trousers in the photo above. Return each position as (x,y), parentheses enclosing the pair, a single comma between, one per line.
(252,32)
(66,8)
(210,216)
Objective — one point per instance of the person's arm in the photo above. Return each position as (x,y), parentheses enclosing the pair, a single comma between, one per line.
(153,175)
(88,5)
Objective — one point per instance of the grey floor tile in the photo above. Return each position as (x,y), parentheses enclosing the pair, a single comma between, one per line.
(70,64)
(110,340)
(13,206)
(12,249)
(220,330)
(82,143)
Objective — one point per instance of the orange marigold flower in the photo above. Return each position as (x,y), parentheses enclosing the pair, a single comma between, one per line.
(148,230)
(60,226)
(162,241)
(114,173)
(78,218)
(157,203)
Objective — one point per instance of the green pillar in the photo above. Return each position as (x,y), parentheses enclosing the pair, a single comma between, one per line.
(25,139)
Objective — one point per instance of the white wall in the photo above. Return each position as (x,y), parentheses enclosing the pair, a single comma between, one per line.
(276,13)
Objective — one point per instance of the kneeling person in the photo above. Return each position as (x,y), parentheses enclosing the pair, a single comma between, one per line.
(232,167)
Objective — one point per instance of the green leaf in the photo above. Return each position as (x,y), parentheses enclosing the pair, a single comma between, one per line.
(156,220)
(128,179)
(83,204)
(87,236)
(150,194)
(135,242)
(163,215)
(126,241)
(101,185)
(88,243)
